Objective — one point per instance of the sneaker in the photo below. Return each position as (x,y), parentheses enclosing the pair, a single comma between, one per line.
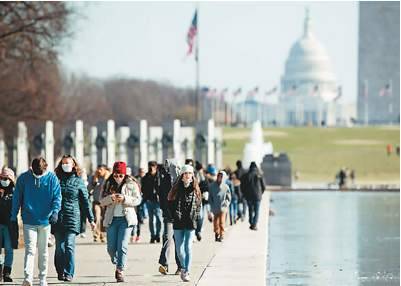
(185,276)
(43,283)
(26,283)
(138,239)
(182,275)
(163,269)
(178,271)
(82,235)
(68,278)
(60,277)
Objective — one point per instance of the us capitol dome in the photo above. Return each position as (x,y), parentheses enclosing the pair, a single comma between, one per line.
(308,90)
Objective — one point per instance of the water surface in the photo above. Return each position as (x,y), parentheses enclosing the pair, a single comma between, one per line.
(334,238)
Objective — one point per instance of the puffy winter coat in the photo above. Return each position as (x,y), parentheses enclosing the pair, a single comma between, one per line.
(132,197)
(74,198)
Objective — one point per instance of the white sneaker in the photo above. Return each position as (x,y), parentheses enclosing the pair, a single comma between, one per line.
(43,283)
(185,276)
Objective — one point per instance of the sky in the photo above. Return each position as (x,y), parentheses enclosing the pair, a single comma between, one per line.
(241,44)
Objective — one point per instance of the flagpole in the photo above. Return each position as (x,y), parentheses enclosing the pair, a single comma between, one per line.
(198,111)
(366,92)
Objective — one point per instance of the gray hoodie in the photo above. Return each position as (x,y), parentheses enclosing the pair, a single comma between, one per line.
(219,195)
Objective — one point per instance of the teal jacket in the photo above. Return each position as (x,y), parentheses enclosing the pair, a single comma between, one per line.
(74,200)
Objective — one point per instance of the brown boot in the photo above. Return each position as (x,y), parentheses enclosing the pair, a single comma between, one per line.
(119,275)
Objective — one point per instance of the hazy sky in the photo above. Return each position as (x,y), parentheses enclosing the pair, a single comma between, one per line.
(242,44)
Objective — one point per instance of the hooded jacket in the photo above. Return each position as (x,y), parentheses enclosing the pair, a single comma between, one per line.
(252,184)
(219,195)
(38,198)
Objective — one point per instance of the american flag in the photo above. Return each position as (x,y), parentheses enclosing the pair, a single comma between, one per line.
(271,91)
(252,93)
(223,94)
(237,92)
(192,32)
(385,91)
(339,93)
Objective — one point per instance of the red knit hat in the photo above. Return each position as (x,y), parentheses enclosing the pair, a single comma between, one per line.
(120,168)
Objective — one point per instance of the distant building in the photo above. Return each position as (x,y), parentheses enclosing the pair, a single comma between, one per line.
(308,92)
(379,63)
(307,96)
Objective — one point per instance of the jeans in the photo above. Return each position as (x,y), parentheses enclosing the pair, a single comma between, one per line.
(199,222)
(155,213)
(64,256)
(233,211)
(36,235)
(5,240)
(253,206)
(168,240)
(183,242)
(98,212)
(118,234)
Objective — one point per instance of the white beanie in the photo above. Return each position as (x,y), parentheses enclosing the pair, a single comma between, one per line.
(187,169)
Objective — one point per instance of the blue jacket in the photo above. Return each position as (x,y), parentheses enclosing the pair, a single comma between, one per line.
(38,198)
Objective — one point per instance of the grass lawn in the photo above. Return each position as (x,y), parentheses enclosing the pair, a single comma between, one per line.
(318,153)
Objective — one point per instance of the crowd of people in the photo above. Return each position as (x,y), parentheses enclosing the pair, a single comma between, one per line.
(174,199)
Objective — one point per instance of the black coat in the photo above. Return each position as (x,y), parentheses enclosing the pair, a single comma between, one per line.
(5,213)
(149,187)
(186,208)
(164,189)
(252,185)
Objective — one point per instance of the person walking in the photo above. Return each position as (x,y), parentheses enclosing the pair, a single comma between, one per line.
(150,184)
(120,196)
(204,187)
(95,187)
(74,200)
(166,181)
(238,194)
(235,197)
(219,200)
(242,203)
(37,193)
(253,187)
(185,203)
(8,230)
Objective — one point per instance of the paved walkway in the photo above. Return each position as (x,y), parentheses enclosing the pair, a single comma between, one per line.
(241,257)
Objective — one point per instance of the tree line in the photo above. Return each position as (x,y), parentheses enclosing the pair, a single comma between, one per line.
(34,88)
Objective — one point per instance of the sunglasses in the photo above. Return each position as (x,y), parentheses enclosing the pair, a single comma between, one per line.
(118,176)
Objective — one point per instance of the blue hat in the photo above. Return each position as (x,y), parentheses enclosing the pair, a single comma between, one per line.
(212,170)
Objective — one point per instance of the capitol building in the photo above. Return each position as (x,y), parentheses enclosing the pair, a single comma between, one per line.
(308,92)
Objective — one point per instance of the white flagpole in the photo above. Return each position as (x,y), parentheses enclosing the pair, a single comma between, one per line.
(365,95)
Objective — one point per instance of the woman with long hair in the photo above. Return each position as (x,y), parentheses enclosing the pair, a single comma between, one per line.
(74,199)
(120,195)
(8,229)
(185,202)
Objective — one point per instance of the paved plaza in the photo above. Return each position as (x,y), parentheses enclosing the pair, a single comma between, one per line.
(240,259)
